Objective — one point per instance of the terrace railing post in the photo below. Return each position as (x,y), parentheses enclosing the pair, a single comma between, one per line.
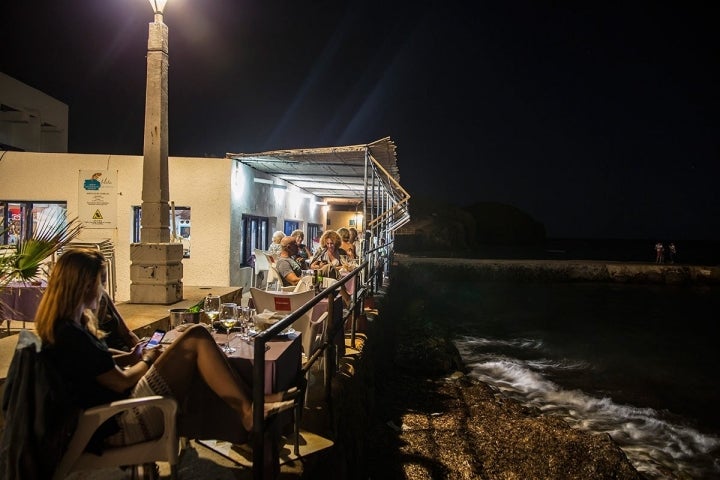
(331,351)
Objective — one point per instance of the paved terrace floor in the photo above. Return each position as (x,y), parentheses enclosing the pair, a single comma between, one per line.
(222,461)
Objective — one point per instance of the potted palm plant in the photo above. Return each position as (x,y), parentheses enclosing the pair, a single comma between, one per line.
(24,260)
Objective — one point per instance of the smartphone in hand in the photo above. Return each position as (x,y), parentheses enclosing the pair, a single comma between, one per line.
(156,338)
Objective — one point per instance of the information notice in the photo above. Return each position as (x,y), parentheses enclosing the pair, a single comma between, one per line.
(97,192)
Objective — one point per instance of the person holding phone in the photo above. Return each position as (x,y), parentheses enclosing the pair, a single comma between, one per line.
(65,324)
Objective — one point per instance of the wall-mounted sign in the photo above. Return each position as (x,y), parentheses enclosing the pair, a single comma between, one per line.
(98,198)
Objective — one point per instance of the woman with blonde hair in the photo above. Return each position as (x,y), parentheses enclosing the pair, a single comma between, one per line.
(67,328)
(329,251)
(275,248)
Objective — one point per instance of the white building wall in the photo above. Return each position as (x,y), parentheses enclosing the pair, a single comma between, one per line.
(217,190)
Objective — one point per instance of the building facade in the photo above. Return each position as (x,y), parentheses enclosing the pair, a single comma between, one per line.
(223,208)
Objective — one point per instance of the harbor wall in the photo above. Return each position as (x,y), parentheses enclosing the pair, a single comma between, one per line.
(572,270)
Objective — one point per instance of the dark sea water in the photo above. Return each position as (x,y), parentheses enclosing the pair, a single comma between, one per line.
(637,362)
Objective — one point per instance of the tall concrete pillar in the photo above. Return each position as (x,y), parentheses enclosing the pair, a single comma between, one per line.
(156,264)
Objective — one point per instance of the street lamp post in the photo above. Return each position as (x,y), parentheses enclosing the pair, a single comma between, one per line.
(156,264)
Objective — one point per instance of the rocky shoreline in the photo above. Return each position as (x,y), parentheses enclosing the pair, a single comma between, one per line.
(409,411)
(432,421)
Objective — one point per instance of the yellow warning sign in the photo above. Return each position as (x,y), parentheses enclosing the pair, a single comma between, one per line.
(97,215)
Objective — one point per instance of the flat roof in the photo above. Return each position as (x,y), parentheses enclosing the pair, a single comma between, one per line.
(336,174)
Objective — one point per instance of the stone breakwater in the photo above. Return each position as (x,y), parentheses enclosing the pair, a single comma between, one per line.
(573,270)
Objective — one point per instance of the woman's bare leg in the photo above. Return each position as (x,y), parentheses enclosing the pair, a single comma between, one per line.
(195,352)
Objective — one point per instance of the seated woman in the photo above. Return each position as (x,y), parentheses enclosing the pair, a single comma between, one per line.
(67,328)
(327,259)
(303,254)
(328,255)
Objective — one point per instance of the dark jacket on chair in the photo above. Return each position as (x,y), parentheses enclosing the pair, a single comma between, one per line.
(40,416)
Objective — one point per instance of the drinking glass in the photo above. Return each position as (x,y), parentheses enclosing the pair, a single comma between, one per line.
(250,328)
(212,309)
(228,318)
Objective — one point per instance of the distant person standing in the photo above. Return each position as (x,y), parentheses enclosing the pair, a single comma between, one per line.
(659,253)
(673,252)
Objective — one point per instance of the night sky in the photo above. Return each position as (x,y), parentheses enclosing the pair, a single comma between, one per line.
(599,119)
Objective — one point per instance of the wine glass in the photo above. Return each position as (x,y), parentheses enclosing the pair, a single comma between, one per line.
(228,318)
(250,325)
(212,309)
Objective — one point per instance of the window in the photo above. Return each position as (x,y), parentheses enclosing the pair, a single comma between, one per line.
(20,219)
(314,232)
(290,226)
(181,224)
(255,231)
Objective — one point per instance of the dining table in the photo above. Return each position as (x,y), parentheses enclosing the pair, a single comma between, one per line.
(19,302)
(205,416)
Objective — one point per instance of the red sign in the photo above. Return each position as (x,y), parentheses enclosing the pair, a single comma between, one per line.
(282,304)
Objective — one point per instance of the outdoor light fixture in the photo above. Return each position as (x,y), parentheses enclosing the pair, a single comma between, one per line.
(158,5)
(263,180)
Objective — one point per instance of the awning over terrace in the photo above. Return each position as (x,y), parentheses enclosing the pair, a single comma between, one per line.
(365,176)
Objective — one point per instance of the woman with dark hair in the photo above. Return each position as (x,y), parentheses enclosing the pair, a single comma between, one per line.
(67,327)
(303,255)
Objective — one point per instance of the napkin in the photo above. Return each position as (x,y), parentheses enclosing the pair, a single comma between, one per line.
(267,318)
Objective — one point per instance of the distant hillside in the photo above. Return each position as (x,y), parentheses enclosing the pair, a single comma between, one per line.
(437,226)
(501,224)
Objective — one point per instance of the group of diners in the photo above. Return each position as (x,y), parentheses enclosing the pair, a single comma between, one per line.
(293,256)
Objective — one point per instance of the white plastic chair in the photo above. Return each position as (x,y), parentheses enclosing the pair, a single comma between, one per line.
(305,284)
(286,302)
(273,277)
(164,448)
(261,266)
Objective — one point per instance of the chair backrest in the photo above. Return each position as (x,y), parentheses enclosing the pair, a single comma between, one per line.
(261,261)
(286,302)
(273,276)
(312,339)
(304,284)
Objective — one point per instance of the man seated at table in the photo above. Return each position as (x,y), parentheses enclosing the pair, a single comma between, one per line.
(289,270)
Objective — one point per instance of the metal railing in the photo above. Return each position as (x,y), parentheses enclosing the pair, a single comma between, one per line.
(324,349)
(366,282)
